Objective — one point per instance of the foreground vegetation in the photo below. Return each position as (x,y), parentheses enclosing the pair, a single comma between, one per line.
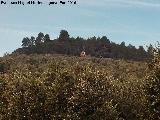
(50,87)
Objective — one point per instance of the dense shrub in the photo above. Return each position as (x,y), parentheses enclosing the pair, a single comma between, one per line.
(153,87)
(71,88)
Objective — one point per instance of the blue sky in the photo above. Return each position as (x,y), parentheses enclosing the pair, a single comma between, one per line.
(136,22)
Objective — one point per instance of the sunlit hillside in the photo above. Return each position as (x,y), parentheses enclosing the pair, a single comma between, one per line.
(72,88)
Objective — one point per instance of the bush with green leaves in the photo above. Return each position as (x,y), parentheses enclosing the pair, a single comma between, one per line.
(153,86)
(71,88)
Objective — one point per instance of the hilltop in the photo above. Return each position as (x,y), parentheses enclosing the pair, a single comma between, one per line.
(100,47)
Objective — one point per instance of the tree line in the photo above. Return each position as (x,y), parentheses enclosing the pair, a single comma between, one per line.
(93,46)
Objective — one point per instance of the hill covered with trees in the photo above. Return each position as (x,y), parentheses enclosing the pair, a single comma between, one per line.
(49,87)
(93,46)
(36,85)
